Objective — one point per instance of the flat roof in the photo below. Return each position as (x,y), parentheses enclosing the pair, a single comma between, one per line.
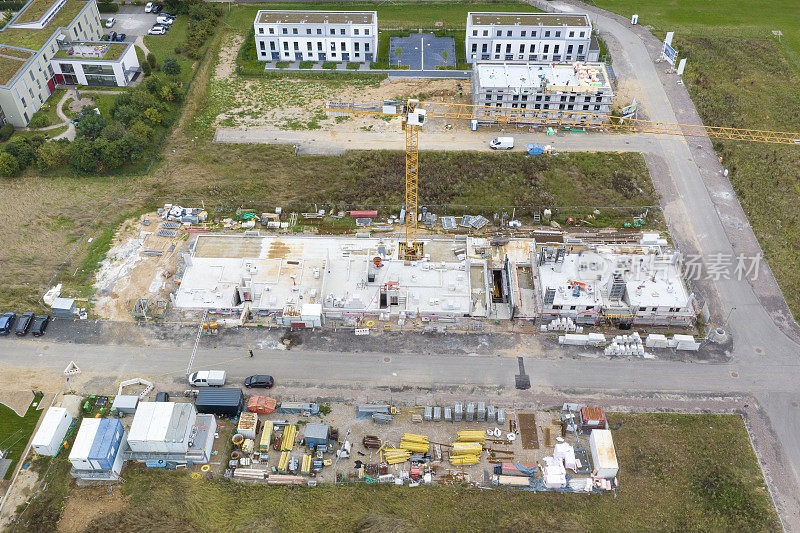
(98,51)
(34,10)
(579,77)
(315,17)
(528,19)
(34,39)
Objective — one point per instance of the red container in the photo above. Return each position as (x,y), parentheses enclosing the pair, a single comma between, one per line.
(363,214)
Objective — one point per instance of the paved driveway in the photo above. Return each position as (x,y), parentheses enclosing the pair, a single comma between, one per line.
(132,21)
(422,51)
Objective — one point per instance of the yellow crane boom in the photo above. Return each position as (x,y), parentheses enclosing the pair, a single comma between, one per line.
(414,112)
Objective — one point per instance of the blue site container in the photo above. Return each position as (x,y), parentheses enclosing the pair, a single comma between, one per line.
(106,444)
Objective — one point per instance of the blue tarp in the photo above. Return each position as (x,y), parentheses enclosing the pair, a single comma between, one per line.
(534,148)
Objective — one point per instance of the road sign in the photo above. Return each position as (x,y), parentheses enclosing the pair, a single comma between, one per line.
(630,110)
(670,54)
(668,38)
(681,66)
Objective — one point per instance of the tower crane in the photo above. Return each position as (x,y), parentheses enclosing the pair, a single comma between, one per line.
(413,114)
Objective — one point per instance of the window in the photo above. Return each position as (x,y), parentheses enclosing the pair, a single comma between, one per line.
(25,114)
(294,31)
(263,45)
(319,46)
(333,47)
(523,33)
(474,33)
(569,49)
(546,49)
(308,46)
(555,48)
(355,31)
(524,97)
(523,106)
(75,31)
(515,97)
(522,49)
(285,31)
(30,73)
(597,108)
(319,31)
(508,48)
(285,46)
(508,33)
(570,107)
(547,33)
(296,45)
(98,69)
(366,31)
(571,307)
(356,47)
(497,49)
(333,31)
(580,48)
(589,307)
(108,81)
(514,105)
(499,96)
(556,308)
(533,34)
(342,46)
(558,34)
(583,33)
(22,98)
(272,45)
(499,33)
(272,31)
(586,108)
(341,31)
(572,34)
(261,31)
(474,47)
(67,68)
(80,28)
(308,31)
(366,47)
(484,48)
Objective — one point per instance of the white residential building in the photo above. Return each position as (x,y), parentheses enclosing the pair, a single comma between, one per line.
(316,35)
(558,89)
(640,285)
(523,37)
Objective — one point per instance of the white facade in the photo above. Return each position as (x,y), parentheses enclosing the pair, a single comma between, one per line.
(556,91)
(116,73)
(524,37)
(51,432)
(79,455)
(316,35)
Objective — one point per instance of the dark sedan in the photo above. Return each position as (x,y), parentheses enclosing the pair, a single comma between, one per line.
(7,322)
(259,381)
(39,325)
(24,323)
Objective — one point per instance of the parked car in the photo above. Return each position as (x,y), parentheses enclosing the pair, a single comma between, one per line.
(112,36)
(110,21)
(259,381)
(165,20)
(158,29)
(148,7)
(162,397)
(39,325)
(7,322)
(24,323)
(120,37)
(502,143)
(157,8)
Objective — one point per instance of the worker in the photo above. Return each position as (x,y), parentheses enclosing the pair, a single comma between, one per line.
(250,352)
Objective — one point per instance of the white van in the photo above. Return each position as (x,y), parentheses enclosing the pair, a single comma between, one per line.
(207,378)
(502,143)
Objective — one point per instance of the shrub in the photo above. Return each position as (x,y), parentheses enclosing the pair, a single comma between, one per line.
(52,155)
(151,59)
(107,7)
(9,166)
(171,67)
(91,124)
(147,69)
(23,150)
(39,120)
(6,131)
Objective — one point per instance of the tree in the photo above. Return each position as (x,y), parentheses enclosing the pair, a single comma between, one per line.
(6,131)
(52,155)
(81,155)
(399,53)
(39,120)
(9,166)
(166,94)
(114,131)
(147,69)
(91,123)
(151,59)
(444,56)
(171,67)
(22,149)
(153,115)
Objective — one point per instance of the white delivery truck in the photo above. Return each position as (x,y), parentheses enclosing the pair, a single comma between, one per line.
(502,143)
(207,378)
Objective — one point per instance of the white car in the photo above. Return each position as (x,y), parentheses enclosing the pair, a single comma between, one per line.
(165,20)
(148,7)
(157,30)
(110,22)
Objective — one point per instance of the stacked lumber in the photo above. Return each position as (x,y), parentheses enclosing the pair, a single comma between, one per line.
(395,456)
(414,443)
(289,434)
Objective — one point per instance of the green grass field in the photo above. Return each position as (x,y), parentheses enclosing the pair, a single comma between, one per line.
(163,46)
(15,431)
(740,75)
(678,473)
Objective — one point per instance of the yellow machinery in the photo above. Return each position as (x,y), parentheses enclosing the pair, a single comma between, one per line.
(413,114)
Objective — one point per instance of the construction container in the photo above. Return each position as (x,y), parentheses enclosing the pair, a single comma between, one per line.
(382,418)
(428,414)
(261,404)
(481,412)
(604,456)
(490,413)
(126,403)
(297,408)
(448,414)
(50,435)
(63,307)
(592,418)
(162,427)
(470,414)
(97,444)
(248,425)
(511,481)
(220,401)
(458,412)
(317,434)
(501,416)
(437,414)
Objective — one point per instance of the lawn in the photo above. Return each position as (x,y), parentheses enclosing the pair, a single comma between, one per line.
(670,479)
(740,75)
(15,431)
(163,46)
(50,107)
(390,15)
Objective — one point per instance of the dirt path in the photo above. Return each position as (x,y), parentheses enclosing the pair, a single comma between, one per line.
(227,61)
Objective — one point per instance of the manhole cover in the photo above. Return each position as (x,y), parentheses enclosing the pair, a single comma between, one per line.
(759,350)
(734,374)
(45,347)
(386,359)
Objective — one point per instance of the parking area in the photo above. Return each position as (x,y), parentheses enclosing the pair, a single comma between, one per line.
(422,51)
(132,21)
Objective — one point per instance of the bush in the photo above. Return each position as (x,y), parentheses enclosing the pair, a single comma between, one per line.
(330,65)
(6,131)
(151,59)
(147,69)
(178,50)
(23,149)
(39,120)
(107,7)
(9,166)
(52,155)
